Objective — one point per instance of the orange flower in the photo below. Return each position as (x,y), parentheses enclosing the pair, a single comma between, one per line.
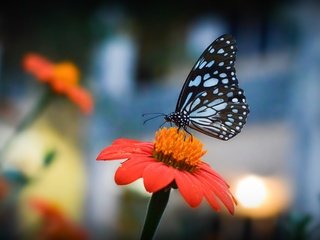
(62,77)
(55,224)
(173,160)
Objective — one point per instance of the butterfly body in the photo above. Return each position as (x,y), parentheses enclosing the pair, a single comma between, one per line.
(211,101)
(180,119)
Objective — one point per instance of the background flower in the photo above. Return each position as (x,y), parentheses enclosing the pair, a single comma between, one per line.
(63,78)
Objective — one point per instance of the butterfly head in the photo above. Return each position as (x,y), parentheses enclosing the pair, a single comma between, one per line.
(180,119)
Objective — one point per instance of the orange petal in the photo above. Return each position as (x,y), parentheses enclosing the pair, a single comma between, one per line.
(219,189)
(131,170)
(157,176)
(189,188)
(82,98)
(125,148)
(39,66)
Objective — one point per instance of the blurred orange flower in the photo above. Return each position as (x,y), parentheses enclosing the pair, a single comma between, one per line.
(4,188)
(62,77)
(55,225)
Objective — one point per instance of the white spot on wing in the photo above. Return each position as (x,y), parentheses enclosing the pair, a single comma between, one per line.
(187,100)
(210,63)
(215,102)
(195,82)
(211,82)
(225,81)
(202,64)
(206,76)
(220,106)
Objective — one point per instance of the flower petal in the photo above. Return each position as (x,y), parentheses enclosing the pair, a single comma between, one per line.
(215,186)
(208,194)
(125,148)
(131,170)
(82,98)
(212,172)
(157,176)
(189,187)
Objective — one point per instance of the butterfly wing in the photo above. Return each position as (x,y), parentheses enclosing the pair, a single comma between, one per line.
(210,96)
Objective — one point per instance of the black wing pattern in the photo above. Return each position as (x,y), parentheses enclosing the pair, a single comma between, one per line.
(210,96)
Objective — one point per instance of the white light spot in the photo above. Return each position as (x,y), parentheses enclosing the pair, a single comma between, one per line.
(215,72)
(235,110)
(228,42)
(237,128)
(221,39)
(210,82)
(221,64)
(211,50)
(215,91)
(232,73)
(235,100)
(251,192)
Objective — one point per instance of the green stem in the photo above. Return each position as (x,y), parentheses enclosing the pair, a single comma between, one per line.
(28,120)
(156,208)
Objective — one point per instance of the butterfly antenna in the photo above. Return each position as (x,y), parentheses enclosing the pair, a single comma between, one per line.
(162,124)
(146,114)
(158,115)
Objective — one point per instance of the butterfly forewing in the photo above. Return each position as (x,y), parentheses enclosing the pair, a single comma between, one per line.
(210,96)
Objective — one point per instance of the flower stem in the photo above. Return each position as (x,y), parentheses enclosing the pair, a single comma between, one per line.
(156,208)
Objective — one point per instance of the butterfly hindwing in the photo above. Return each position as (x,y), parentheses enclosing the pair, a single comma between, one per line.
(210,96)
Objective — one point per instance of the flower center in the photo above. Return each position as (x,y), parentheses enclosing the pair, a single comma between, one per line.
(178,149)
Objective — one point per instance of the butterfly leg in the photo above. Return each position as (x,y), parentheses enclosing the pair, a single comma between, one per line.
(185,129)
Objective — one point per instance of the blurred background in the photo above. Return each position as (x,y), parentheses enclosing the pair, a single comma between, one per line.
(133,58)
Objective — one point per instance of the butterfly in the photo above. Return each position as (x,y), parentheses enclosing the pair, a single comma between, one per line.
(210,101)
